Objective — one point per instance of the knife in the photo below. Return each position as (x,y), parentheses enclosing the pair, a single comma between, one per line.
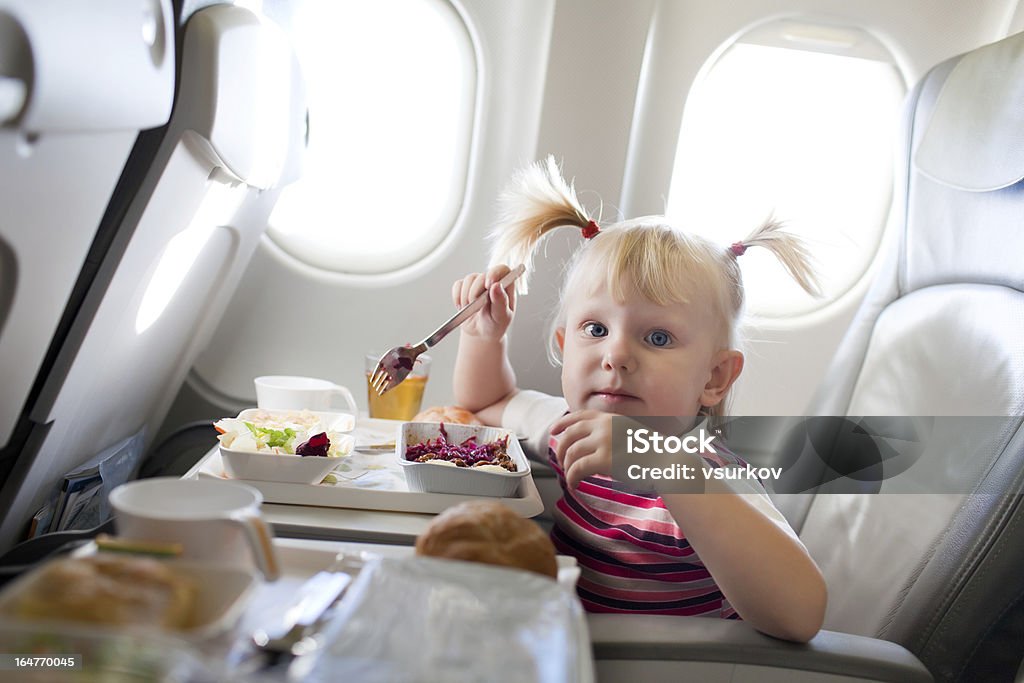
(310,602)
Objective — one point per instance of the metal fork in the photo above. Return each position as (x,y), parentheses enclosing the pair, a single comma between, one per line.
(395,365)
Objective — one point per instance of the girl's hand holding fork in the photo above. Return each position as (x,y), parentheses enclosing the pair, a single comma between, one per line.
(484,381)
(493,320)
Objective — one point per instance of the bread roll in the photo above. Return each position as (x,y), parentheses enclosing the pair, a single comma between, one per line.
(448,415)
(109,589)
(488,532)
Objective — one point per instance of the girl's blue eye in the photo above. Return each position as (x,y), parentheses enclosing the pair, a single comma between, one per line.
(659,338)
(595,330)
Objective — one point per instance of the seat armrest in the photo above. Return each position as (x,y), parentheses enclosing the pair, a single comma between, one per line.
(626,638)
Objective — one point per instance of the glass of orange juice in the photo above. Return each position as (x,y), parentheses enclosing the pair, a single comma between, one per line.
(401,402)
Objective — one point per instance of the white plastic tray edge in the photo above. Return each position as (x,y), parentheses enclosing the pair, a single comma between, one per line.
(527,504)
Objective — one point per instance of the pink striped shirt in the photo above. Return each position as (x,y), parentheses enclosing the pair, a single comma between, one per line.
(633,556)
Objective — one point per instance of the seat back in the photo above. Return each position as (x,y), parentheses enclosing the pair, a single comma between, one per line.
(940,334)
(235,137)
(67,127)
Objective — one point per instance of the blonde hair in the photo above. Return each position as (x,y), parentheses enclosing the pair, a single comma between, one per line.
(665,264)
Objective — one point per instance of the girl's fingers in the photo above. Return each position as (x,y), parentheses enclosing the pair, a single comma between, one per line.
(463,288)
(475,284)
(472,287)
(561,446)
(583,445)
(500,310)
(582,468)
(576,451)
(478,287)
(495,273)
(562,423)
(569,436)
(498,295)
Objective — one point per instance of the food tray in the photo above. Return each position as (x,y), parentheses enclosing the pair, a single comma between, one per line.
(301,558)
(369,481)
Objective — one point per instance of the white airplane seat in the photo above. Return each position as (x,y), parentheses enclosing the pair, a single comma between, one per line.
(72,120)
(925,585)
(235,137)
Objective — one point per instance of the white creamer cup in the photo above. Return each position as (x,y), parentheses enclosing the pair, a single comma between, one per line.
(287,392)
(214,521)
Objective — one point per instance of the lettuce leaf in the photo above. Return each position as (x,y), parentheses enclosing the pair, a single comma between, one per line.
(272,437)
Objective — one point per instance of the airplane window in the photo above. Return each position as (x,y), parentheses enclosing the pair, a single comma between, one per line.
(391,91)
(804,135)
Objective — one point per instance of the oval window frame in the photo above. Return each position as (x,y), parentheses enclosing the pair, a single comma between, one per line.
(806,35)
(332,259)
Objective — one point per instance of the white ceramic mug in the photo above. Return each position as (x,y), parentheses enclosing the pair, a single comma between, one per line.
(214,521)
(286,392)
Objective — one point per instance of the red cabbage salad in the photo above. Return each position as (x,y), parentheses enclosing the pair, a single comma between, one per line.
(295,433)
(469,453)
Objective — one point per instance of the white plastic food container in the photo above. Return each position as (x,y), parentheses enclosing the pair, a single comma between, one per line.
(438,478)
(283,467)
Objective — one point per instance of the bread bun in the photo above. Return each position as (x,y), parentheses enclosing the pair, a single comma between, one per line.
(116,590)
(488,532)
(448,415)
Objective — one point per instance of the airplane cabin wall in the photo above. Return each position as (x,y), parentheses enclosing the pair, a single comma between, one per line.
(616,84)
(597,51)
(601,85)
(785,357)
(290,318)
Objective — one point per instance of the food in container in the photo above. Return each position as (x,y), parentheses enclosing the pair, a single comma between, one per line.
(491,456)
(296,447)
(117,591)
(109,590)
(462,459)
(285,432)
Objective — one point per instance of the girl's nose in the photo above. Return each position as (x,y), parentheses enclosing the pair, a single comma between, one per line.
(618,356)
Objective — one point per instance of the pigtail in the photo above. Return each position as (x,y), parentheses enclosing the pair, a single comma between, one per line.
(537,200)
(788,248)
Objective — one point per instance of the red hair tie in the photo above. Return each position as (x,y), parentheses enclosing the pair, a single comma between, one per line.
(590,230)
(738,248)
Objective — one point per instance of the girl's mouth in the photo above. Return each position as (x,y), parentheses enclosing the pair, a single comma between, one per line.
(613,397)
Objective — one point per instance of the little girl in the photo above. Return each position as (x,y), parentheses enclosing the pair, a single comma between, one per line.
(645,327)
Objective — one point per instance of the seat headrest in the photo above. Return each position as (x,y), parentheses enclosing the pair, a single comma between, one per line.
(975,139)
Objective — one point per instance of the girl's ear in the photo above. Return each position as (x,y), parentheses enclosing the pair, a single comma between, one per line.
(560,338)
(726,369)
